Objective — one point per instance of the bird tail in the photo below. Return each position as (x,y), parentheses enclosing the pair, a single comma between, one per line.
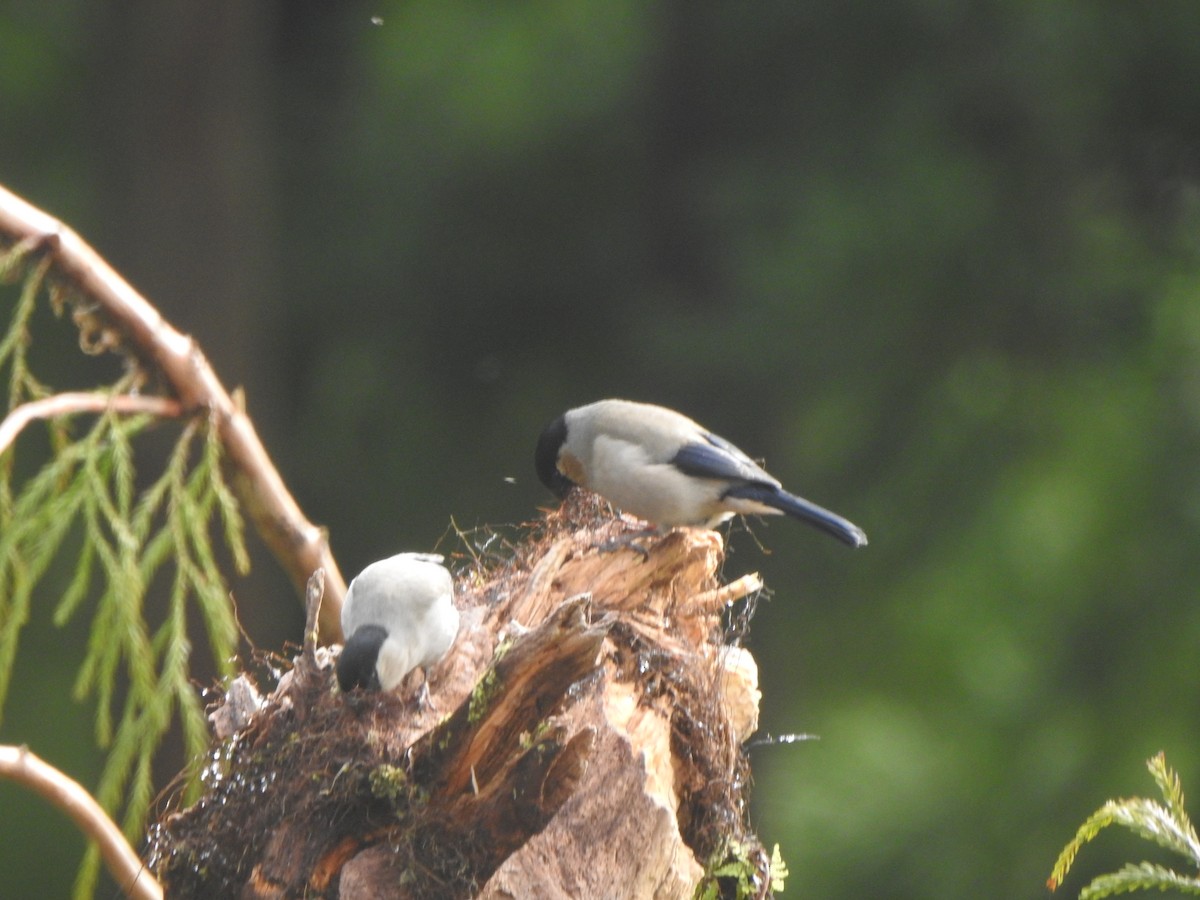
(799,508)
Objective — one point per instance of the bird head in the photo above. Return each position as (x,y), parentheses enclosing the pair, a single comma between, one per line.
(546,457)
(357,666)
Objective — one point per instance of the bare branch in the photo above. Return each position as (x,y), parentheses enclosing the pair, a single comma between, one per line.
(299,545)
(313,594)
(22,766)
(720,597)
(71,403)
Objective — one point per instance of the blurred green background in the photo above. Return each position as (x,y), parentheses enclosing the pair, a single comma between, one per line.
(935,262)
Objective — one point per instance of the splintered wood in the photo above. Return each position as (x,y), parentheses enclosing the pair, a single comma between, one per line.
(581,740)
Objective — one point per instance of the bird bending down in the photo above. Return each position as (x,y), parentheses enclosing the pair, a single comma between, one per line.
(659,465)
(398,614)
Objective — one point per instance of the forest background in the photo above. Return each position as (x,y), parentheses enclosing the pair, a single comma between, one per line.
(937,263)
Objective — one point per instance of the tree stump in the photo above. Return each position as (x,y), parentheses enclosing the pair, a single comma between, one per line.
(582,739)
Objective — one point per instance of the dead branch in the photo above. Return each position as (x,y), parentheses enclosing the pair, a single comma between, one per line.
(67,404)
(130,321)
(22,766)
(314,594)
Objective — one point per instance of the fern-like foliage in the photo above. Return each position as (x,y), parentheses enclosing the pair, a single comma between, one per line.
(1166,824)
(83,509)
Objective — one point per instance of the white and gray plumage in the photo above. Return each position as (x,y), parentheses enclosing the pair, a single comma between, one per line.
(398,614)
(659,465)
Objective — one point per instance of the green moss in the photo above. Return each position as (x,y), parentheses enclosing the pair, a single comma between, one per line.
(502,650)
(388,782)
(482,696)
(528,739)
(732,872)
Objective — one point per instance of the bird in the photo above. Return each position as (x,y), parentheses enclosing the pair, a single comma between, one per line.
(398,614)
(659,465)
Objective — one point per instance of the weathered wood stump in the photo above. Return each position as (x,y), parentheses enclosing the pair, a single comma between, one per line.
(583,740)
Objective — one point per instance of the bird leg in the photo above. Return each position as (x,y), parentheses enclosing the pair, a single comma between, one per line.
(418,693)
(630,541)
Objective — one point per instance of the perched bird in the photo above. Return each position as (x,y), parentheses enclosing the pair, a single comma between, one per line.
(399,614)
(661,466)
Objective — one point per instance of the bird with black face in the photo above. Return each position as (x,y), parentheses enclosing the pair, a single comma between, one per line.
(398,614)
(659,465)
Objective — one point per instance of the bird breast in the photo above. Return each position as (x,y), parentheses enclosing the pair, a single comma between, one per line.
(651,489)
(423,643)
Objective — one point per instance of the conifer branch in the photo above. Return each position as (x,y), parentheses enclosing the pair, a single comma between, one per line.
(22,766)
(1168,826)
(131,322)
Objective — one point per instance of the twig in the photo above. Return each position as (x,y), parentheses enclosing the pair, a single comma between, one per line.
(718,598)
(70,403)
(313,595)
(299,545)
(22,766)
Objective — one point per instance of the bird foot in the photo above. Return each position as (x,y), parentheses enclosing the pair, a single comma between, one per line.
(418,693)
(425,699)
(630,542)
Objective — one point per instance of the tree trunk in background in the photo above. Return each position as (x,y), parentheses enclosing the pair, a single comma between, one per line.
(189,139)
(194,186)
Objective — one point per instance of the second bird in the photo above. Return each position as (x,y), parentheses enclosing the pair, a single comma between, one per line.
(399,613)
(659,465)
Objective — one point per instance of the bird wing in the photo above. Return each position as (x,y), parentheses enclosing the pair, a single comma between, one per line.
(715,457)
